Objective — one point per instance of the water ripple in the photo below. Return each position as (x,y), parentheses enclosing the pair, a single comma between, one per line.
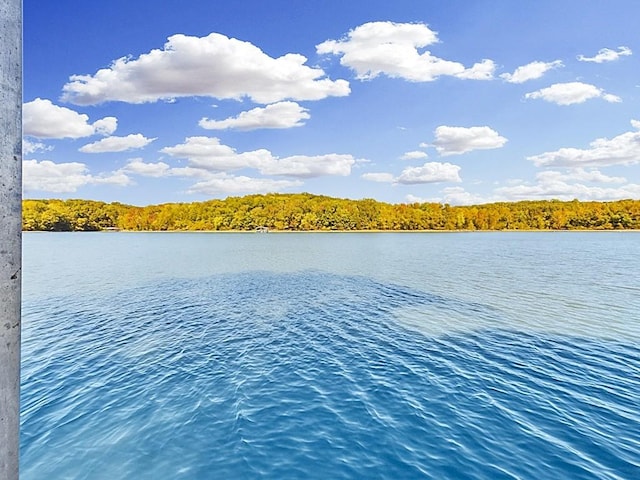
(316,375)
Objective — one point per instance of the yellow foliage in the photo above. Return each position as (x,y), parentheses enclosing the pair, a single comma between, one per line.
(304,211)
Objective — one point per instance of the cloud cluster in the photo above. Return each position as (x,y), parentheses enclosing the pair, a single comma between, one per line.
(29,147)
(209,182)
(562,187)
(231,184)
(393,49)
(606,55)
(623,149)
(530,71)
(458,140)
(213,66)
(414,155)
(431,172)
(577,174)
(220,67)
(571,93)
(117,144)
(48,176)
(207,153)
(582,178)
(452,196)
(42,119)
(276,115)
(137,166)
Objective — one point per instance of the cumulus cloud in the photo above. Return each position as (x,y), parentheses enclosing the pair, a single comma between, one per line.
(41,118)
(482,70)
(47,176)
(29,147)
(310,166)
(414,155)
(459,196)
(231,184)
(394,49)
(379,177)
(213,66)
(623,149)
(276,115)
(571,93)
(137,166)
(530,71)
(554,188)
(209,154)
(606,55)
(431,172)
(117,144)
(579,174)
(208,182)
(415,199)
(458,140)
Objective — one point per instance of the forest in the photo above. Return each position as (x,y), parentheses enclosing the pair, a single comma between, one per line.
(308,212)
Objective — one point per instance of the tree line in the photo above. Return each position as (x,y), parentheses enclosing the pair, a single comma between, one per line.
(308,212)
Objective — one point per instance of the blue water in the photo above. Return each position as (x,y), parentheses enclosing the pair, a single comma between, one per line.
(200,356)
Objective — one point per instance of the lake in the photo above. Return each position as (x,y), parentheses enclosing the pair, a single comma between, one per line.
(331,355)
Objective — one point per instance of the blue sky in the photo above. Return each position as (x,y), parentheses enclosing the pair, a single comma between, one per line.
(459,102)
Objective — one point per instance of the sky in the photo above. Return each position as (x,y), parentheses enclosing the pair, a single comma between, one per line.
(460,102)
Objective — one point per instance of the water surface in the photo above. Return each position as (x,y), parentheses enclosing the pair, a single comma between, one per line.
(445,355)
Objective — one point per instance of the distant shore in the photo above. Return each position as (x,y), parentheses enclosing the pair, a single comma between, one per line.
(306,212)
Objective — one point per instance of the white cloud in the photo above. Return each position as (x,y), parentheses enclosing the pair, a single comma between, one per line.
(209,154)
(47,176)
(458,140)
(452,196)
(530,71)
(431,172)
(137,166)
(379,177)
(41,118)
(276,115)
(562,190)
(621,150)
(117,144)
(459,196)
(213,66)
(310,166)
(105,126)
(571,93)
(29,147)
(230,184)
(414,155)
(208,182)
(393,49)
(483,70)
(608,97)
(415,199)
(606,55)
(580,174)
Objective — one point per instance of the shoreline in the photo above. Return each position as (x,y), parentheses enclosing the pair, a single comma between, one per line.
(584,230)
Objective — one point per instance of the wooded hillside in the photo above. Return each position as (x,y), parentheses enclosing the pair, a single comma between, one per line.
(303,212)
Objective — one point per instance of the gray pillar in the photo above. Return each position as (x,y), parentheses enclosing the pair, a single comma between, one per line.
(10,232)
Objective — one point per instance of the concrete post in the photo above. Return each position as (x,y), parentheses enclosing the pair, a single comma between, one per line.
(10,232)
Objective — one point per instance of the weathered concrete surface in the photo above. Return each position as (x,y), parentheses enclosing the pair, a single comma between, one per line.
(10,232)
